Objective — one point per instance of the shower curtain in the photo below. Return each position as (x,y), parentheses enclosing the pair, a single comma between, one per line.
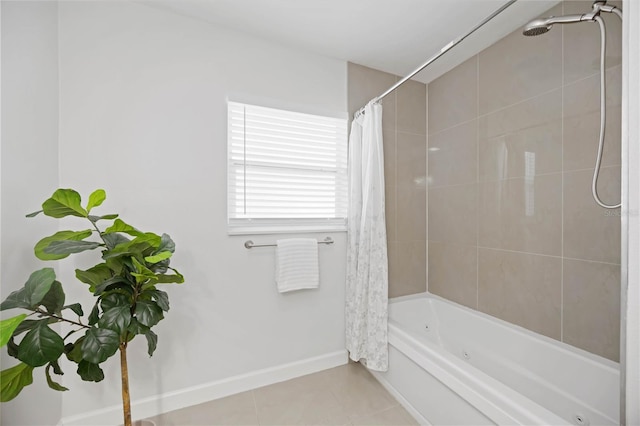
(367,265)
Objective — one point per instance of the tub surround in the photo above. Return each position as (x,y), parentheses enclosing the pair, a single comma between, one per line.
(513,229)
(404,136)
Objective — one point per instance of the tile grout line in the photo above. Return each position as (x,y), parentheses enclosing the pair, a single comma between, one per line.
(521,177)
(502,108)
(562,93)
(426,188)
(477,183)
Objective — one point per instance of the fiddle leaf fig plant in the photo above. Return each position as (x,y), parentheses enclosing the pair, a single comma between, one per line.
(126,284)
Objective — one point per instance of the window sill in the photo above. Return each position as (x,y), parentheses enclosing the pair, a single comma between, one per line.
(303,229)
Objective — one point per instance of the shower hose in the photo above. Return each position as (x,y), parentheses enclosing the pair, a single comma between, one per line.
(603,115)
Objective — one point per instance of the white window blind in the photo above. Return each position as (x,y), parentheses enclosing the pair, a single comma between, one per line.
(287,171)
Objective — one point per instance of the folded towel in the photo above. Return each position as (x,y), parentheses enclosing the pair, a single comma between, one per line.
(297,264)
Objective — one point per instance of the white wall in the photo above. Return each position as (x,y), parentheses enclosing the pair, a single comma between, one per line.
(29,170)
(143,115)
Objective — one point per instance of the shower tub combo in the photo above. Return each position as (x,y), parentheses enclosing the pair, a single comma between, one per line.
(450,365)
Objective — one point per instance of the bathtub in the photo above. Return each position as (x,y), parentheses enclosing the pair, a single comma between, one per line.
(450,365)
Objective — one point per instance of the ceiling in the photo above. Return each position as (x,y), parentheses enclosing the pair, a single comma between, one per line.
(395,36)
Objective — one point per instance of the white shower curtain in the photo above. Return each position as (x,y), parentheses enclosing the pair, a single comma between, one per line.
(367,265)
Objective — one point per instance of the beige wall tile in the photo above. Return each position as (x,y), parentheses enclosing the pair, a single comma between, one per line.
(590,231)
(453,155)
(394,273)
(518,67)
(591,307)
(521,288)
(522,139)
(453,272)
(389,152)
(582,121)
(522,214)
(452,214)
(411,213)
(453,97)
(411,163)
(367,83)
(411,108)
(390,208)
(582,41)
(409,274)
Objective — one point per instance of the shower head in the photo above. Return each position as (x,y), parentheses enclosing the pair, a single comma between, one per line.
(542,25)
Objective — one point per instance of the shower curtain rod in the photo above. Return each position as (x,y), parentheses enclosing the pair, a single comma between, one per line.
(442,51)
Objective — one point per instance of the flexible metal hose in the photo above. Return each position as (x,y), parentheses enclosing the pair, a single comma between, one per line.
(603,116)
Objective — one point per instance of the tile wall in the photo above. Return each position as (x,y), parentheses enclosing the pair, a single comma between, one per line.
(512,139)
(404,134)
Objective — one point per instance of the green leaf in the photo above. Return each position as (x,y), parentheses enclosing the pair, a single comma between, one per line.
(13,380)
(53,385)
(120,226)
(177,278)
(94,219)
(110,284)
(95,311)
(143,273)
(90,372)
(96,198)
(148,313)
(113,240)
(39,284)
(27,325)
(117,318)
(161,298)
(8,326)
(113,300)
(74,350)
(17,299)
(64,202)
(34,214)
(152,341)
(94,276)
(56,368)
(54,299)
(40,345)
(43,244)
(136,328)
(68,247)
(166,244)
(12,348)
(75,307)
(158,257)
(99,344)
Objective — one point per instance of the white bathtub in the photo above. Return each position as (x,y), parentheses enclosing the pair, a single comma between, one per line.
(450,365)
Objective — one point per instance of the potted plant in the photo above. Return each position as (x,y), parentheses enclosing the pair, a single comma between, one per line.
(128,299)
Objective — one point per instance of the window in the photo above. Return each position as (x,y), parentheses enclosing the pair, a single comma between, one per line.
(287,171)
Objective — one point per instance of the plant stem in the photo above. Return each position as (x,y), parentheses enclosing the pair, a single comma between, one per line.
(40,311)
(124,373)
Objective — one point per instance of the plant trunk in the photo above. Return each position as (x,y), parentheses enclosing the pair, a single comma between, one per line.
(124,373)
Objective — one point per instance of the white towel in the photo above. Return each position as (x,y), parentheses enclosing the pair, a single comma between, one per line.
(297,264)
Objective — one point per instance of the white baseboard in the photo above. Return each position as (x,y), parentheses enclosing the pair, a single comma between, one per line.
(401,399)
(163,403)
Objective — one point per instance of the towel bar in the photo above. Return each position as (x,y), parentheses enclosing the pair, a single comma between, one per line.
(249,244)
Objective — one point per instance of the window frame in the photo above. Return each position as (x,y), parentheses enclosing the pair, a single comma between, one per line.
(247,225)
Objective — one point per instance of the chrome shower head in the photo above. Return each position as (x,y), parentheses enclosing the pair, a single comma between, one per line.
(542,25)
(537,27)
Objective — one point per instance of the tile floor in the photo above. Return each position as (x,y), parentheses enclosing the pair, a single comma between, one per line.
(345,395)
